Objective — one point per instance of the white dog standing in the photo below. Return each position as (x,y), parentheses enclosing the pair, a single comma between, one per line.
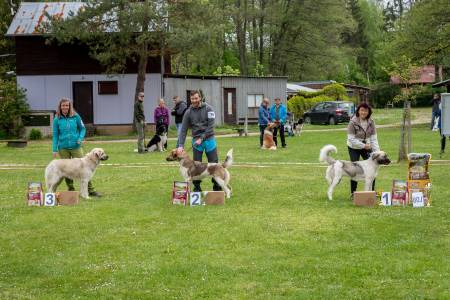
(74,168)
(366,170)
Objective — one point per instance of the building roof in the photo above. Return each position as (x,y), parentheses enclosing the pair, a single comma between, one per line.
(31,15)
(292,88)
(427,74)
(314,82)
(191,76)
(442,83)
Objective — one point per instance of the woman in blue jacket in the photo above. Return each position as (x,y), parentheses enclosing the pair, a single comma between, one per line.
(68,135)
(278,114)
(263,119)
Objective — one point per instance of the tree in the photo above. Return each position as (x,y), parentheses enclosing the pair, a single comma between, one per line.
(405,70)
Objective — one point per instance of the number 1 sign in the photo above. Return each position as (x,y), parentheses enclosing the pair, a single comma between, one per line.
(386,198)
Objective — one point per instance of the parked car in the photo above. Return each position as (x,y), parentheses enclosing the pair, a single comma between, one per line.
(329,112)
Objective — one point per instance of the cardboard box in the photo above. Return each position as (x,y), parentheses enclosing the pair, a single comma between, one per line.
(214,198)
(68,198)
(365,198)
(180,192)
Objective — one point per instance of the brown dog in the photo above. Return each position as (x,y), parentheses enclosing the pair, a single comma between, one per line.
(195,170)
(268,142)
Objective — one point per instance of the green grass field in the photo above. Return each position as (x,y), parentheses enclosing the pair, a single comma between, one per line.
(276,238)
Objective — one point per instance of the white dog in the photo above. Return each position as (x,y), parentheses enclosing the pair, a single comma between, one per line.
(75,168)
(366,170)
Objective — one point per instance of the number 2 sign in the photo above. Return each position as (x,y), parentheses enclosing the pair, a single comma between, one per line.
(195,198)
(49,199)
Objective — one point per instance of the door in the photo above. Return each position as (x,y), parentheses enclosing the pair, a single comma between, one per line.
(83,100)
(229,106)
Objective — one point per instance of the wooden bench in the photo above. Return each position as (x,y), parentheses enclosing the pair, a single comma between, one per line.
(241,121)
(389,105)
(17,143)
(240,131)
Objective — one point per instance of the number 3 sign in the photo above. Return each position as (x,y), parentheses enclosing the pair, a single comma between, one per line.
(195,198)
(49,199)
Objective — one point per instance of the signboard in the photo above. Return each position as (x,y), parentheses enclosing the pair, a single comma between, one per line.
(417,199)
(386,198)
(195,199)
(445,114)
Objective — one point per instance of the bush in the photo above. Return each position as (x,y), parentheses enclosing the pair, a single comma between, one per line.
(383,93)
(305,100)
(12,105)
(35,134)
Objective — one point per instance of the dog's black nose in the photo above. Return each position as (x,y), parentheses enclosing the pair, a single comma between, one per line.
(105,157)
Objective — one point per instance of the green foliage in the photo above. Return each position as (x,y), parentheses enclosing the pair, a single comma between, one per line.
(383,93)
(335,91)
(305,100)
(35,134)
(12,105)
(227,70)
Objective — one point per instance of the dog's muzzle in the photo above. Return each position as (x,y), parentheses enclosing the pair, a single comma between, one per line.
(104,157)
(170,158)
(384,161)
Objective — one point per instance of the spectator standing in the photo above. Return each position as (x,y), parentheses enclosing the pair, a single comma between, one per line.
(278,115)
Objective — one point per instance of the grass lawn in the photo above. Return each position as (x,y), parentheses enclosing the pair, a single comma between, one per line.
(277,237)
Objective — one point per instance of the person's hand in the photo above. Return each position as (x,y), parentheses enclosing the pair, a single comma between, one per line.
(367,147)
(54,154)
(180,150)
(198,141)
(79,142)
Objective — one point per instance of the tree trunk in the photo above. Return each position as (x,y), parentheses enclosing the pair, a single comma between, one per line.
(142,67)
(261,32)
(402,149)
(241,40)
(408,124)
(254,30)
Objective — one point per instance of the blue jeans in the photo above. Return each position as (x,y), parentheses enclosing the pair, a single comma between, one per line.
(178,125)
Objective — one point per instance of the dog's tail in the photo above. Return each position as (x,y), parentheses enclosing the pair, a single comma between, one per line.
(325,154)
(229,160)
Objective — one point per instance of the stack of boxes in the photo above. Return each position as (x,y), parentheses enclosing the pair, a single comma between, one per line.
(418,176)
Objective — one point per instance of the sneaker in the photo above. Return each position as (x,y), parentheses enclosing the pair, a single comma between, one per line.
(284,146)
(95,194)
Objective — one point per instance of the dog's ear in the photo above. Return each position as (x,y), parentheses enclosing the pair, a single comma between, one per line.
(376,155)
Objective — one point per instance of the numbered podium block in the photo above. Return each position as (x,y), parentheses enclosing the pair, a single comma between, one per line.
(417,199)
(195,199)
(386,198)
(50,199)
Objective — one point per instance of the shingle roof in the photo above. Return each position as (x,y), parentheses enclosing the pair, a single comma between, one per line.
(31,15)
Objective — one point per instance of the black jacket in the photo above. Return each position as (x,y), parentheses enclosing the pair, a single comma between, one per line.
(178,111)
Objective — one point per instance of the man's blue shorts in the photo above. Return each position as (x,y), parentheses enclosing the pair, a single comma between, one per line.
(206,145)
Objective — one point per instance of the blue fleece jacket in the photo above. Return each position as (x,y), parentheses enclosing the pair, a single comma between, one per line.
(263,115)
(68,132)
(282,114)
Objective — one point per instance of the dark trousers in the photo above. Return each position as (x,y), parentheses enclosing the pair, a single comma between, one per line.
(261,134)
(212,158)
(275,132)
(442,141)
(434,115)
(354,156)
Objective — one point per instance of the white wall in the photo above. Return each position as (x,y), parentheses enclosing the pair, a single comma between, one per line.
(44,92)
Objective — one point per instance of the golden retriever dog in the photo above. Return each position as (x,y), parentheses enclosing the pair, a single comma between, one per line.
(195,170)
(268,142)
(82,169)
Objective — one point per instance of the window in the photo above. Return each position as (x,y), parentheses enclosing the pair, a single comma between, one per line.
(254,100)
(107,88)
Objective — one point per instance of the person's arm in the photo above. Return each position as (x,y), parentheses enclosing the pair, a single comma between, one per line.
(209,130)
(55,136)
(156,115)
(183,130)
(374,143)
(167,117)
(283,114)
(81,129)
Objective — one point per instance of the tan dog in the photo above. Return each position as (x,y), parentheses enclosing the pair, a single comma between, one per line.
(195,170)
(74,168)
(268,142)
